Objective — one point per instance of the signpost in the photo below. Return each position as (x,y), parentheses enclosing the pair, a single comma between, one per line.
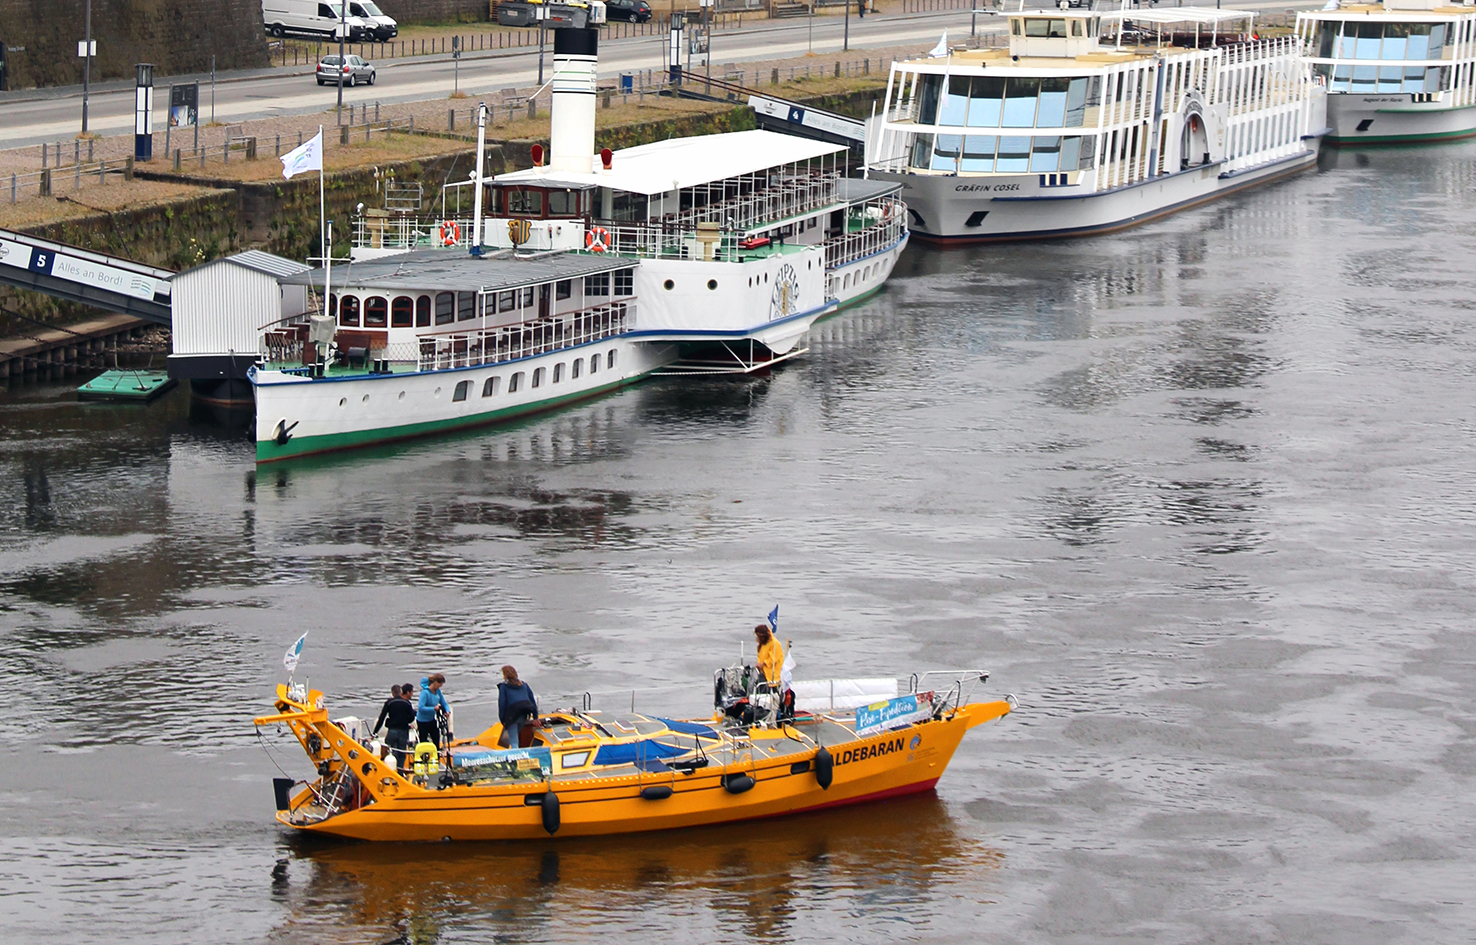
(143,113)
(184,111)
(456,57)
(674,60)
(86,50)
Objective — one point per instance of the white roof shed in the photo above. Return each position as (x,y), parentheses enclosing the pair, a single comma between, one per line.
(222,306)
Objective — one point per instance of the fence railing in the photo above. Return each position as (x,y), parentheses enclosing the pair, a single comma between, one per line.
(54,181)
(879,233)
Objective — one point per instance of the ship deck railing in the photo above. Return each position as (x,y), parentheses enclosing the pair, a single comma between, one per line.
(285,349)
(869,238)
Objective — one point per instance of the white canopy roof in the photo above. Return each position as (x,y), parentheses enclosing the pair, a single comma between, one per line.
(683,162)
(1178,15)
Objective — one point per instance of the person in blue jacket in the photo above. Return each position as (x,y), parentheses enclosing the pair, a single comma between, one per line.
(517,709)
(426,722)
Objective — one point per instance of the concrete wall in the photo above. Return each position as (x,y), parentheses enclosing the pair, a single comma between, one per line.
(177,36)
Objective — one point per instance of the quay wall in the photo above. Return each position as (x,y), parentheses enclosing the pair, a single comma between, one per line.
(436,11)
(177,36)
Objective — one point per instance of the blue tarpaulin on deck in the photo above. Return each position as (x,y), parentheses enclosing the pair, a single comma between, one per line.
(630,752)
(689,728)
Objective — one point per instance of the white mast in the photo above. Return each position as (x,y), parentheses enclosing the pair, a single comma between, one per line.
(476,234)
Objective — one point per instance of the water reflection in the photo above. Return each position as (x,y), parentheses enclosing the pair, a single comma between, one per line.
(863,869)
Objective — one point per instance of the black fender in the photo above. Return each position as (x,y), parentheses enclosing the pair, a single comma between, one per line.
(656,792)
(738,783)
(824,768)
(550,807)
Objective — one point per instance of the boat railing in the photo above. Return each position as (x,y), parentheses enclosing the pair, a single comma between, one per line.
(473,347)
(872,238)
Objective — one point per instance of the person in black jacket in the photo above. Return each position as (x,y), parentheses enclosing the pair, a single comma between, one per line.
(399,713)
(517,709)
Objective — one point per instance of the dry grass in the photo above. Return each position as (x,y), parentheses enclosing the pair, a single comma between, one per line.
(123,195)
(336,157)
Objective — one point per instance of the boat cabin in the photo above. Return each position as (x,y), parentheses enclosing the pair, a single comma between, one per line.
(429,309)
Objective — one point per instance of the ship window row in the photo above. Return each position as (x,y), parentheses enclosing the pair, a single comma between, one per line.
(1386,41)
(518,380)
(444,308)
(1042,28)
(1009,101)
(1383,78)
(1002,154)
(621,282)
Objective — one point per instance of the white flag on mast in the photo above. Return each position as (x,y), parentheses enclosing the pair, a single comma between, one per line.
(294,653)
(938,52)
(308,157)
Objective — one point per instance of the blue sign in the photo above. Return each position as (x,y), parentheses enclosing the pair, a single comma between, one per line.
(878,715)
(42,260)
(513,764)
(796,114)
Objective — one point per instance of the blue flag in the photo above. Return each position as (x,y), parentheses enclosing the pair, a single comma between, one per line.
(774,619)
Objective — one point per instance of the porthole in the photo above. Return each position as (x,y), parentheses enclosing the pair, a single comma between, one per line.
(437,393)
(711,284)
(610,358)
(342,401)
(669,285)
(402,396)
(766,278)
(364,399)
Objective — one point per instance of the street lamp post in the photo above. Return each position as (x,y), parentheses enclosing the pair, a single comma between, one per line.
(342,61)
(86,65)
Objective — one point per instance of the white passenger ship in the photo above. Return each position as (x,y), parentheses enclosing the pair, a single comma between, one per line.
(1403,70)
(708,254)
(1090,122)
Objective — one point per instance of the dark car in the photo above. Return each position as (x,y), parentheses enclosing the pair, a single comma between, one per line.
(355,71)
(636,11)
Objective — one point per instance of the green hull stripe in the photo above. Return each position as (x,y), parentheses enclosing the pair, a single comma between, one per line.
(1400,139)
(267,451)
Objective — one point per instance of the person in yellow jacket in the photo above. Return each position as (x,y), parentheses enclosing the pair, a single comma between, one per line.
(770,654)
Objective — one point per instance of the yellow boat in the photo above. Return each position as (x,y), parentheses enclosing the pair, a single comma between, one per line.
(588,773)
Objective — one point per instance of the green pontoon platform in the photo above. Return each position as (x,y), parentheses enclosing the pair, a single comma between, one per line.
(138,387)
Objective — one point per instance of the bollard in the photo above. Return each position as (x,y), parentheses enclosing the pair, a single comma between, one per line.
(76,151)
(606,102)
(837,70)
(43,155)
(251,148)
(128,168)
(12,188)
(89,150)
(774,77)
(450,119)
(343,135)
(102,172)
(367,129)
(44,188)
(866,67)
(278,152)
(202,158)
(532,109)
(376,111)
(177,156)
(77,173)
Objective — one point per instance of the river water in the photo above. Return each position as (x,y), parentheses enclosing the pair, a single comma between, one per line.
(1202,495)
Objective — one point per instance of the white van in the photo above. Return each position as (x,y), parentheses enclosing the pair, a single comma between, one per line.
(381,25)
(312,18)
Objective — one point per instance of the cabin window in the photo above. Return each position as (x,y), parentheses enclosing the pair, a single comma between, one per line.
(1076,27)
(333,305)
(1045,155)
(846,283)
(610,359)
(922,151)
(466,305)
(525,203)
(1043,28)
(445,308)
(489,387)
(559,373)
(507,301)
(597,285)
(1015,25)
(932,86)
(564,288)
(376,312)
(348,311)
(594,363)
(624,282)
(538,374)
(422,311)
(1014,155)
(402,314)
(986,98)
(528,297)
(955,102)
(626,207)
(1019,105)
(945,153)
(576,369)
(460,393)
(515,383)
(978,154)
(563,203)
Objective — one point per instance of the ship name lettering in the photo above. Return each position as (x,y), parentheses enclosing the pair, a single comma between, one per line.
(868,751)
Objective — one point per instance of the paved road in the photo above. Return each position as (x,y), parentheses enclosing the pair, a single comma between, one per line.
(56,116)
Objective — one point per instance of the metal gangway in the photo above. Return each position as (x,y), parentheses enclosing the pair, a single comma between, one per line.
(81,275)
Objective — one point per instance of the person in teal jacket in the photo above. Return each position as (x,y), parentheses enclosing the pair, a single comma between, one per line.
(431,700)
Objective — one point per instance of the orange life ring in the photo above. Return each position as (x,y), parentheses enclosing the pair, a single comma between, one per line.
(597,239)
(450,233)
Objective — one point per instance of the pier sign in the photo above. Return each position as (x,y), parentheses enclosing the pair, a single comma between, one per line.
(97,275)
(15,254)
(902,710)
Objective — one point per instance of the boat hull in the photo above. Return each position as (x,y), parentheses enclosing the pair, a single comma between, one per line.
(1394,119)
(335,413)
(890,764)
(944,206)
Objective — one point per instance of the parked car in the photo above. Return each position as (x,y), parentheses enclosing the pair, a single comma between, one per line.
(313,18)
(354,69)
(636,11)
(381,26)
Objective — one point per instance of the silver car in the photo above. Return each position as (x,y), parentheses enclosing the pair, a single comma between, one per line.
(354,69)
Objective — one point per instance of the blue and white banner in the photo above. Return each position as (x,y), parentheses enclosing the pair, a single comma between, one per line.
(294,653)
(902,710)
(513,764)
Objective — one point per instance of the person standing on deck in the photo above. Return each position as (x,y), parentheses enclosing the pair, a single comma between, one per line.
(770,655)
(425,713)
(516,708)
(399,713)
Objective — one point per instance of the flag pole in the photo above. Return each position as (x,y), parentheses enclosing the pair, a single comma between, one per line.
(322,215)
